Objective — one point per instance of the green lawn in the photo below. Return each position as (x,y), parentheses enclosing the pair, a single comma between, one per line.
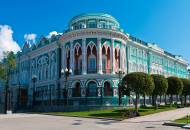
(114,113)
(181,120)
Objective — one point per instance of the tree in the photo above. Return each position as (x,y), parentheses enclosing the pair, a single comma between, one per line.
(7,65)
(140,83)
(161,86)
(175,87)
(186,89)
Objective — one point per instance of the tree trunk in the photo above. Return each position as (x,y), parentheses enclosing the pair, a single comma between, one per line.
(144,101)
(171,99)
(155,100)
(160,99)
(136,103)
(165,99)
(152,100)
(181,99)
(185,100)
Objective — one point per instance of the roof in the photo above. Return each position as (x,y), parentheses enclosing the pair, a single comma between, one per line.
(103,15)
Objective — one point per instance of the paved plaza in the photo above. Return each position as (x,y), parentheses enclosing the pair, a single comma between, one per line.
(46,122)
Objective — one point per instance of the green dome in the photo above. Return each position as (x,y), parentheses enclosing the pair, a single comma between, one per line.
(100,20)
(94,15)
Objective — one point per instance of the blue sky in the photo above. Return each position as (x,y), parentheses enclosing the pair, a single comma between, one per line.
(165,22)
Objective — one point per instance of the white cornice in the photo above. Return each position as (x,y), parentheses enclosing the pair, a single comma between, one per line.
(93,33)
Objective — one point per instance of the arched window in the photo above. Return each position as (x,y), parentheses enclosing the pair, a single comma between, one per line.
(106,68)
(76,90)
(91,58)
(117,59)
(78,59)
(92,24)
(108,90)
(92,89)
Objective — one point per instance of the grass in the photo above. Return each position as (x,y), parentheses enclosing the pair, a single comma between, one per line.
(114,113)
(181,120)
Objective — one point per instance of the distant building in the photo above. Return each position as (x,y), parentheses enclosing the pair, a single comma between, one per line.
(95,48)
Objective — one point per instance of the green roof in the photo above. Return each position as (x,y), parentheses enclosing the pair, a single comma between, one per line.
(103,15)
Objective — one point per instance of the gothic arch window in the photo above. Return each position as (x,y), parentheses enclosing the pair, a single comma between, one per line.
(91,58)
(78,59)
(106,68)
(117,59)
(92,89)
(76,90)
(108,90)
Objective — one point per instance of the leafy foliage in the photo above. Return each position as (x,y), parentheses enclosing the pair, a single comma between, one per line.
(186,86)
(139,82)
(7,64)
(175,86)
(161,85)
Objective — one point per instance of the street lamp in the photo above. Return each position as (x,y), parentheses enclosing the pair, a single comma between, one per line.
(66,74)
(120,75)
(34,79)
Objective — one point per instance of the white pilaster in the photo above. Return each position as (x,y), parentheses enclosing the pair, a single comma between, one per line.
(113,56)
(121,57)
(72,57)
(124,59)
(99,56)
(84,61)
(63,58)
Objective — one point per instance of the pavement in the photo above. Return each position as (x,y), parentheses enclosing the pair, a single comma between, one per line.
(47,122)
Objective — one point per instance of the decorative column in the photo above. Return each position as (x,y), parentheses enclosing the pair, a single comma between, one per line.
(99,56)
(121,57)
(124,59)
(83,88)
(84,61)
(71,57)
(113,56)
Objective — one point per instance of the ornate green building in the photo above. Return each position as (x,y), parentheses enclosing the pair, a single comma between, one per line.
(80,67)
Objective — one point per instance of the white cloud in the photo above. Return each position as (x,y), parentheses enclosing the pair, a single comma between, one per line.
(53,33)
(7,42)
(30,37)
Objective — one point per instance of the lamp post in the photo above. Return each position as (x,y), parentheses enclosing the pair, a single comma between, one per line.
(66,74)
(120,75)
(34,79)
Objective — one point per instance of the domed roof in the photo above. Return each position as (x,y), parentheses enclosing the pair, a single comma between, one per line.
(93,15)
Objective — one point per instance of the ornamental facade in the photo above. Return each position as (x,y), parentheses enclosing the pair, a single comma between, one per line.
(93,49)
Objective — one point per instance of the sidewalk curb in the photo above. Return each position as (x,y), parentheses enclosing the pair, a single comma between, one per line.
(181,125)
(87,117)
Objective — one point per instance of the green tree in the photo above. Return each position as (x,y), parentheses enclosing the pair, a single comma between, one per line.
(161,86)
(186,89)
(175,87)
(140,83)
(7,65)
